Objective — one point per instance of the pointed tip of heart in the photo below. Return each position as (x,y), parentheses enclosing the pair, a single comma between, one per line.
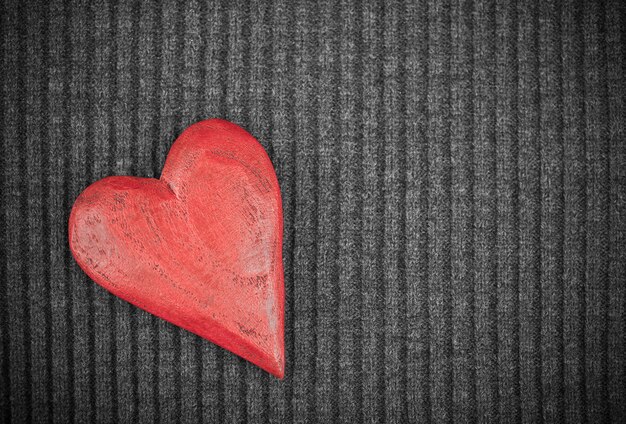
(276,367)
(272,361)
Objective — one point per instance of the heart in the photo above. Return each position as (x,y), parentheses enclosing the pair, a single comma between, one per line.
(200,247)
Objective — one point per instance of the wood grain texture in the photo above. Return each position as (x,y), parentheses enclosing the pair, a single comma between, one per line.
(201,247)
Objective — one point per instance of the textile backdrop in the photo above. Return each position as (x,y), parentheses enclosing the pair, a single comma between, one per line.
(454,184)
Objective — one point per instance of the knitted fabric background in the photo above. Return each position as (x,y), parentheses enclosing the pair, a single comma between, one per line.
(454,185)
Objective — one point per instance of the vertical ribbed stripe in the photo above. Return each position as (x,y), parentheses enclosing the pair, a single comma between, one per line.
(485,202)
(350,152)
(5,393)
(416,210)
(373,360)
(57,122)
(574,183)
(529,210)
(597,214)
(507,219)
(15,220)
(305,214)
(551,212)
(393,217)
(439,210)
(38,292)
(327,292)
(462,204)
(5,366)
(615,15)
(193,69)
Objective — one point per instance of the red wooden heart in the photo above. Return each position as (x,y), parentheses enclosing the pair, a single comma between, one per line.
(201,247)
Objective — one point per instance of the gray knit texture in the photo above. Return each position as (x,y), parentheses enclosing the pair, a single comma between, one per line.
(453,177)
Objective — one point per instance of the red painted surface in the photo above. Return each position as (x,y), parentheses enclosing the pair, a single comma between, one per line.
(201,247)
